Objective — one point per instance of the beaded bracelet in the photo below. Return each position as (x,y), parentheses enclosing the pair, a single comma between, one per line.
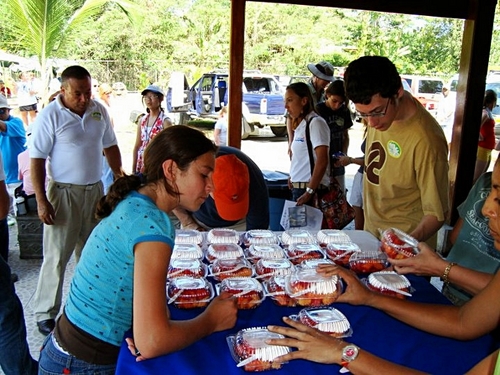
(447,272)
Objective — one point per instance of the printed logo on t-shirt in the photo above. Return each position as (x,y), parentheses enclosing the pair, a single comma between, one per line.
(376,157)
(97,116)
(394,149)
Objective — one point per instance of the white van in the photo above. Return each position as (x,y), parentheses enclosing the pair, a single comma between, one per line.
(428,90)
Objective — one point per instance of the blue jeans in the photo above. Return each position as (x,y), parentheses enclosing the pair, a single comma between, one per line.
(52,362)
(15,357)
(4,239)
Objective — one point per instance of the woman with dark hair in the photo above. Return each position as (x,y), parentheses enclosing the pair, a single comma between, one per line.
(336,114)
(310,128)
(487,139)
(119,282)
(153,122)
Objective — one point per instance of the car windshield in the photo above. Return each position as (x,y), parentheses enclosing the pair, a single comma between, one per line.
(428,86)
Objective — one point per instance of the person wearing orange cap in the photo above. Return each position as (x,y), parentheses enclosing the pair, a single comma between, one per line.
(239,201)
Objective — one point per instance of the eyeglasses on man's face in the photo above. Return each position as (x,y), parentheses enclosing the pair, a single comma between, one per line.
(375,114)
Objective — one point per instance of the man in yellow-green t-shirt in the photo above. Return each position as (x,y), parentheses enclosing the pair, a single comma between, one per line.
(406,160)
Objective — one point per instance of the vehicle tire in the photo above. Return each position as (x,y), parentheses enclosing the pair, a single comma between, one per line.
(279,131)
(246,128)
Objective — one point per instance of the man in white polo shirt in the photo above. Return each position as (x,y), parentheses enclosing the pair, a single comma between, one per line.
(70,134)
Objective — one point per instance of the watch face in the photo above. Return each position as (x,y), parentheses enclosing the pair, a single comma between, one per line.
(349,353)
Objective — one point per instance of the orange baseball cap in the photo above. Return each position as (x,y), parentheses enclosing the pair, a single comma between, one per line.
(231,187)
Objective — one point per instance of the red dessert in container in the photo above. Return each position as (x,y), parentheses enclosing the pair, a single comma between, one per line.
(259,237)
(186,267)
(309,288)
(397,244)
(256,252)
(297,236)
(266,268)
(364,262)
(340,253)
(250,350)
(299,252)
(275,288)
(389,283)
(224,251)
(326,236)
(189,292)
(326,319)
(248,291)
(225,268)
(222,235)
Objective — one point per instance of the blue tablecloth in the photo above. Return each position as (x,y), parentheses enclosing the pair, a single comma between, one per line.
(373,330)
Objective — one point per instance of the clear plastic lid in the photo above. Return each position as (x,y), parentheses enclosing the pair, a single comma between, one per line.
(224,251)
(186,267)
(326,319)
(222,236)
(259,237)
(299,252)
(275,289)
(295,236)
(272,251)
(224,268)
(189,292)
(340,252)
(397,244)
(248,291)
(187,251)
(269,267)
(326,236)
(189,236)
(250,350)
(390,281)
(310,288)
(314,263)
(364,262)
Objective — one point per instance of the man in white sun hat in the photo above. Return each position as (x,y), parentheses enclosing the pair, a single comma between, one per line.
(322,75)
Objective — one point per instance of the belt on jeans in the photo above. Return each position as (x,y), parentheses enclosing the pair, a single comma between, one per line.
(303,185)
(75,186)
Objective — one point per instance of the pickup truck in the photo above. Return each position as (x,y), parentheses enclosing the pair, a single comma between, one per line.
(263,100)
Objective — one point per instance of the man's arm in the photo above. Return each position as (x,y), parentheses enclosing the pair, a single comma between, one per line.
(46,212)
(186,219)
(114,158)
(427,227)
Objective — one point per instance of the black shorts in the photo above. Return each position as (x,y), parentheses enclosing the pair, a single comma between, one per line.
(27,108)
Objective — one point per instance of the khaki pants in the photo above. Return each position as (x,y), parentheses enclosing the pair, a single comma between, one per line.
(74,207)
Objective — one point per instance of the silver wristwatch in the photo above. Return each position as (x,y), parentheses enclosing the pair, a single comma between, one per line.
(309,190)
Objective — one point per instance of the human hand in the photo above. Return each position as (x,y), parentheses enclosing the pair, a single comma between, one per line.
(46,212)
(426,263)
(356,293)
(290,152)
(304,198)
(344,161)
(222,312)
(133,350)
(311,343)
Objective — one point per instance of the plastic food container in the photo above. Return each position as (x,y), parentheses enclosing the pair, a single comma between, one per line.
(186,251)
(340,252)
(248,291)
(186,267)
(224,268)
(397,244)
(299,252)
(327,319)
(256,252)
(189,292)
(224,251)
(296,236)
(250,351)
(259,237)
(266,268)
(189,236)
(364,262)
(222,235)
(309,288)
(275,289)
(314,263)
(326,236)
(389,283)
